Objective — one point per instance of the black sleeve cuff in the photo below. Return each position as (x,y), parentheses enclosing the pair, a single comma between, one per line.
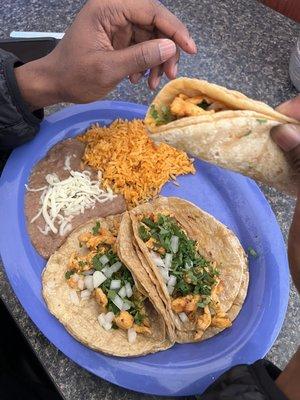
(17,123)
(255,382)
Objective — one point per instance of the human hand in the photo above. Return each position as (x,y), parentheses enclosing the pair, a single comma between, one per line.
(108,41)
(288,138)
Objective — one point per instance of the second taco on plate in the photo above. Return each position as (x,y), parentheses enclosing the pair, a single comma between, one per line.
(197,265)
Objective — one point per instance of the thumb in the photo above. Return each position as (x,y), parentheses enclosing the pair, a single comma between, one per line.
(143,56)
(288,138)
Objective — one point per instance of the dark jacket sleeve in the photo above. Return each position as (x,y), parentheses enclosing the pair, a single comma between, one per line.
(17,123)
(246,382)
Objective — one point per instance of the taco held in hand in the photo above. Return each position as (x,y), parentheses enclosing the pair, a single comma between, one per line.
(197,265)
(97,297)
(223,127)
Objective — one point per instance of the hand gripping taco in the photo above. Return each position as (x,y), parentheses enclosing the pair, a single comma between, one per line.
(223,127)
(198,266)
(99,299)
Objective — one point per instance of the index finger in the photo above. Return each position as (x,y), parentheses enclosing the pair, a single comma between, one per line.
(153,13)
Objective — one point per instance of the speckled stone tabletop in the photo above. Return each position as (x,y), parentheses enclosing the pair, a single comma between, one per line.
(242,45)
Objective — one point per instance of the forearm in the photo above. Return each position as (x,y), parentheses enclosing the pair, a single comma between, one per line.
(36,84)
(289,380)
(17,123)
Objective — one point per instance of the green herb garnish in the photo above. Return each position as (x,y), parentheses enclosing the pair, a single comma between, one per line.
(248,133)
(161,117)
(252,252)
(82,263)
(144,234)
(96,228)
(195,274)
(261,120)
(69,273)
(111,294)
(204,104)
(97,264)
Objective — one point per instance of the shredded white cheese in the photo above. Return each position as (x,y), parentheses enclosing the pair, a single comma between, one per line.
(61,200)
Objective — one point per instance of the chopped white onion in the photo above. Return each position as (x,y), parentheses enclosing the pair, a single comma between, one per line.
(115,284)
(107,326)
(89,272)
(101,319)
(74,297)
(109,317)
(128,289)
(122,292)
(174,243)
(116,266)
(80,283)
(188,265)
(172,280)
(184,318)
(107,272)
(127,305)
(85,294)
(118,302)
(89,282)
(168,260)
(98,278)
(164,274)
(170,289)
(131,335)
(104,259)
(158,261)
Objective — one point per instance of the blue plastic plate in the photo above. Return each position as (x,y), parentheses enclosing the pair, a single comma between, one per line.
(233,199)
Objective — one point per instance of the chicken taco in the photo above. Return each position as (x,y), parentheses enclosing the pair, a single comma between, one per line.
(223,127)
(98,298)
(197,265)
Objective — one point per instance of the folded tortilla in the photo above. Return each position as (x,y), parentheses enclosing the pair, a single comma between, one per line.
(215,242)
(236,138)
(81,320)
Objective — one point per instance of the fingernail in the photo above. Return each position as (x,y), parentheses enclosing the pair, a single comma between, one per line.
(286,136)
(175,70)
(155,83)
(193,45)
(167,49)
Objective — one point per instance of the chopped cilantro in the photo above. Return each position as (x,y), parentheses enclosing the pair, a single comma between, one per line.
(162,117)
(252,252)
(136,301)
(248,133)
(138,317)
(261,120)
(154,112)
(69,273)
(113,308)
(204,302)
(144,234)
(199,278)
(204,104)
(96,228)
(111,294)
(97,263)
(82,263)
